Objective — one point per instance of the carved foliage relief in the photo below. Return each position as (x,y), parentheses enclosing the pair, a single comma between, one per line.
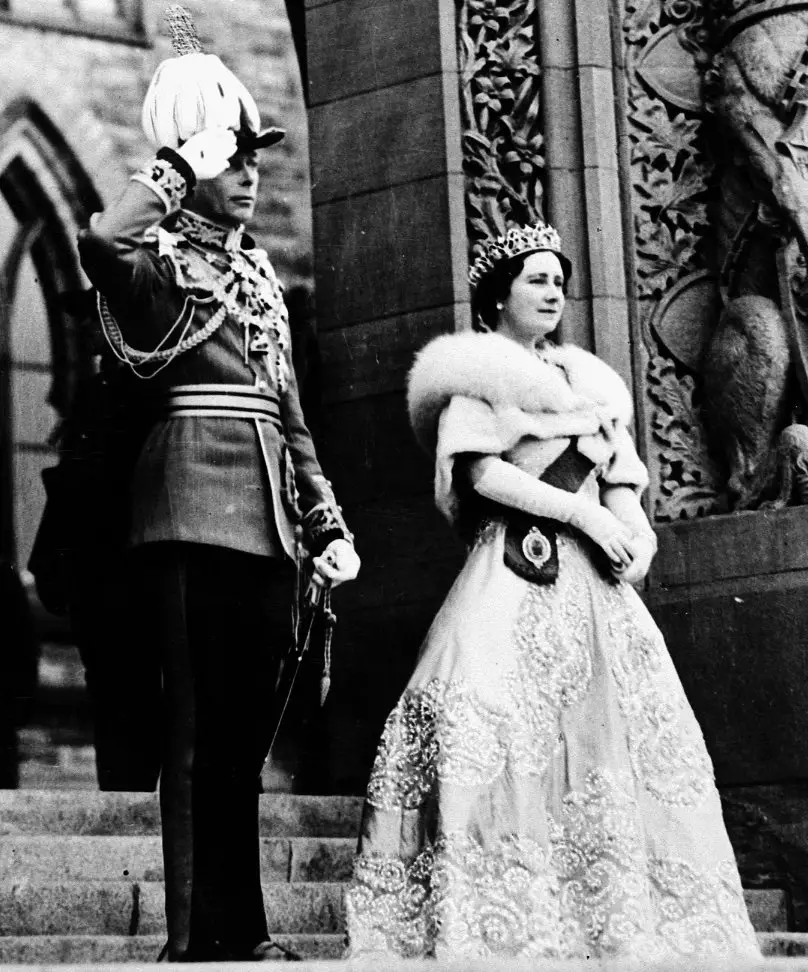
(667,51)
(503,150)
(666,48)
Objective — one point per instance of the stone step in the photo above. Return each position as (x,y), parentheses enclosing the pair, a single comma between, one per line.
(115,949)
(768,909)
(46,859)
(136,908)
(79,858)
(128,907)
(134,814)
(784,944)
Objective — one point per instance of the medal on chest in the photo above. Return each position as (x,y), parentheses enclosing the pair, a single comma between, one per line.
(251,295)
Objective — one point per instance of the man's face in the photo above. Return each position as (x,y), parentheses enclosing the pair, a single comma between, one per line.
(230,197)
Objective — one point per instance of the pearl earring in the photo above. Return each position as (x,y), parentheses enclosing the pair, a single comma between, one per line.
(500,305)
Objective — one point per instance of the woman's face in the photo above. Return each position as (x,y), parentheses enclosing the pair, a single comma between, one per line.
(536,301)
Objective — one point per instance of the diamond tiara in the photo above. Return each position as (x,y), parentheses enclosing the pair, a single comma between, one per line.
(515,242)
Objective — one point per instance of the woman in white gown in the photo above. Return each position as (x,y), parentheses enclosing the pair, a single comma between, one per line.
(542,788)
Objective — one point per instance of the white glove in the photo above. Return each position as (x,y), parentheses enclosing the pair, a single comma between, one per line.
(644,548)
(208,152)
(505,483)
(612,536)
(339,562)
(626,506)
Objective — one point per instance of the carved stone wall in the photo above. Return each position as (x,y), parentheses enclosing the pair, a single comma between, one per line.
(715,96)
(666,52)
(503,149)
(677,254)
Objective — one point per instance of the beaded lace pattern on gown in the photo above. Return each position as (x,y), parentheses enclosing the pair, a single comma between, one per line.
(542,788)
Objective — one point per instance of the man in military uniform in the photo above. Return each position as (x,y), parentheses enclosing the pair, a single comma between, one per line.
(225,485)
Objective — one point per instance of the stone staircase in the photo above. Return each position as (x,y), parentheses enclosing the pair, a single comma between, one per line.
(81,875)
(81,878)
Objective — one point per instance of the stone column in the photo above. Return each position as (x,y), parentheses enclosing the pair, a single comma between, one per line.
(390,272)
(582,186)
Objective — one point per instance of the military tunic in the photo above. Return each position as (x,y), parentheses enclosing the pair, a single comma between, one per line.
(236,482)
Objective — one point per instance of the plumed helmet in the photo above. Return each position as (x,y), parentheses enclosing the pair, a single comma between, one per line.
(193,91)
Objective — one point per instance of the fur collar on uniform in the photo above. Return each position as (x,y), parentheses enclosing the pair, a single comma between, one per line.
(505,374)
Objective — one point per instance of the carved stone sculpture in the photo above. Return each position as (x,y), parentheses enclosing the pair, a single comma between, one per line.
(666,52)
(745,378)
(791,468)
(756,91)
(715,92)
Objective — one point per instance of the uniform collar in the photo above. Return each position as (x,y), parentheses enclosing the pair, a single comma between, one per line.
(206,233)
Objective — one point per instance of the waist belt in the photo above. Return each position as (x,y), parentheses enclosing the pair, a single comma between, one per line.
(223,401)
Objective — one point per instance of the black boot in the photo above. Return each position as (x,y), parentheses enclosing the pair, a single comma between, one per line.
(263,952)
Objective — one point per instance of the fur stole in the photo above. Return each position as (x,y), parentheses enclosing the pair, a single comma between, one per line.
(506,375)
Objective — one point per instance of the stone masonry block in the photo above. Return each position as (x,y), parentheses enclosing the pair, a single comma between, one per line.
(593,33)
(72,858)
(137,814)
(612,339)
(322,860)
(768,910)
(374,358)
(291,908)
(107,950)
(576,326)
(562,123)
(784,944)
(557,34)
(66,812)
(381,138)
(383,253)
(366,45)
(598,128)
(566,211)
(99,950)
(605,223)
(66,908)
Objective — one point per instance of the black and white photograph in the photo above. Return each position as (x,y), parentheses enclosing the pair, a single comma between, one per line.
(403,453)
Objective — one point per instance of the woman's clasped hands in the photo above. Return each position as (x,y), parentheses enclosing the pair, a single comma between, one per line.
(629,554)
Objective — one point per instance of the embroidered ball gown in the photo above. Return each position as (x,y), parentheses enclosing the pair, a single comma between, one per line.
(542,788)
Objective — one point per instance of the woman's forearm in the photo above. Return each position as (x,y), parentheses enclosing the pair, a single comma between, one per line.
(626,506)
(504,483)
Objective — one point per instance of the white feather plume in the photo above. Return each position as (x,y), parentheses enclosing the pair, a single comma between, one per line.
(193,92)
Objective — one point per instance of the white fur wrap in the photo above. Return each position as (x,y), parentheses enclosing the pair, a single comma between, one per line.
(501,393)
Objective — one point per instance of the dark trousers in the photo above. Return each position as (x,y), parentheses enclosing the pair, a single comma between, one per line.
(221,620)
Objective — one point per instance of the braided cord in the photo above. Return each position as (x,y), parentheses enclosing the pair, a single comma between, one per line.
(329,621)
(124,351)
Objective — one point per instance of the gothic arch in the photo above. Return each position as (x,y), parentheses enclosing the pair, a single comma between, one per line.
(50,195)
